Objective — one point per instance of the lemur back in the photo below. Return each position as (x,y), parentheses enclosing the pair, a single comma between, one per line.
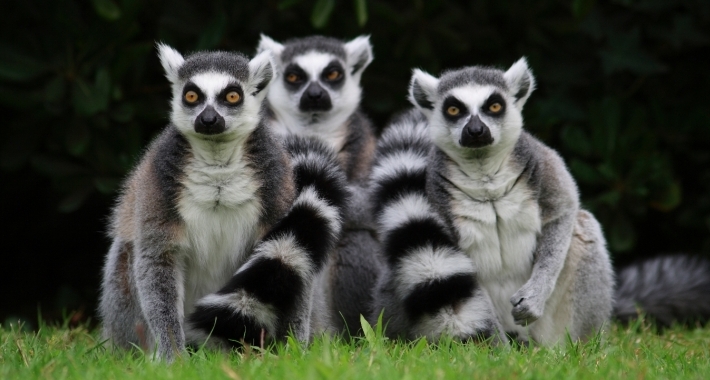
(510,206)
(317,92)
(216,193)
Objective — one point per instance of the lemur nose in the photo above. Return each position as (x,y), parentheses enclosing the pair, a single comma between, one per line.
(314,91)
(475,127)
(209,116)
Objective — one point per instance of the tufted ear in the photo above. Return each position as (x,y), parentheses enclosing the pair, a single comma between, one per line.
(521,81)
(359,53)
(266,43)
(261,71)
(171,61)
(422,91)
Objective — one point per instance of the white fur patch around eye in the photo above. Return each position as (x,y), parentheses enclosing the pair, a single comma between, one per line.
(212,83)
(473,96)
(313,63)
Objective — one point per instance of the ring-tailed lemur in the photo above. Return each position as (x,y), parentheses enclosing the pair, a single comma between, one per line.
(215,194)
(317,92)
(509,203)
(431,287)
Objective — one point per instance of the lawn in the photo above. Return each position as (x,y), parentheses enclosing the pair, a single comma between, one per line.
(634,352)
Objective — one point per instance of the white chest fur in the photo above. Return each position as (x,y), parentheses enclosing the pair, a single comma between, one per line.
(221,212)
(498,221)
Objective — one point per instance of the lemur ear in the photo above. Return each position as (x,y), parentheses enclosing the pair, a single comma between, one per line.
(266,43)
(261,71)
(422,91)
(521,81)
(171,61)
(359,53)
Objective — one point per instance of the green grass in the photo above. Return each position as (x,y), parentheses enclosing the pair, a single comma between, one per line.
(635,352)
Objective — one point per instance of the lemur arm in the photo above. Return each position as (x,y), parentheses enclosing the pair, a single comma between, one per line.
(559,205)
(159,285)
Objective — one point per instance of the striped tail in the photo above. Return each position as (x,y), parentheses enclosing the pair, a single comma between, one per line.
(669,289)
(431,287)
(270,294)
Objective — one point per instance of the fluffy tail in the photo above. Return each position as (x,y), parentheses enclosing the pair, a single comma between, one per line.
(270,293)
(431,286)
(669,289)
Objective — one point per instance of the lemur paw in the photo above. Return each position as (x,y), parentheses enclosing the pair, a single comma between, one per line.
(527,306)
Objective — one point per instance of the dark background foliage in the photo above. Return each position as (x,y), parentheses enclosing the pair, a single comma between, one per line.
(622,96)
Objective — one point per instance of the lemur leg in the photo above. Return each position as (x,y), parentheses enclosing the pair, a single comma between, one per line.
(271,293)
(123,322)
(160,291)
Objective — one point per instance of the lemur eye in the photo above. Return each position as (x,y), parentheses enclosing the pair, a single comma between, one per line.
(334,75)
(495,107)
(453,111)
(233,97)
(292,78)
(191,96)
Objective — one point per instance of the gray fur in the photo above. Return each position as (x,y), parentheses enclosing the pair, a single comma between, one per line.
(193,210)
(299,46)
(541,258)
(355,265)
(221,61)
(668,289)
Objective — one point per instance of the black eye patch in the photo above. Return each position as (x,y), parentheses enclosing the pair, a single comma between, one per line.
(489,108)
(232,87)
(453,109)
(333,75)
(294,77)
(189,86)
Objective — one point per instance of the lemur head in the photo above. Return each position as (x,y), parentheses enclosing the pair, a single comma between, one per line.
(216,93)
(475,108)
(318,78)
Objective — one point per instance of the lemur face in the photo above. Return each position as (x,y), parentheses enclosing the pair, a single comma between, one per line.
(318,78)
(216,93)
(475,107)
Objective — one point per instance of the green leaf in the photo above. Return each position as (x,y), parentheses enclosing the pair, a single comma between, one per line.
(18,67)
(361,12)
(77,138)
(581,7)
(107,185)
(622,236)
(370,336)
(211,36)
(91,99)
(670,198)
(321,13)
(285,4)
(75,199)
(625,53)
(107,9)
(56,167)
(576,140)
(584,172)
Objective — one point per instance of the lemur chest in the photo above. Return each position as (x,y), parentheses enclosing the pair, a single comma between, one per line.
(220,207)
(498,222)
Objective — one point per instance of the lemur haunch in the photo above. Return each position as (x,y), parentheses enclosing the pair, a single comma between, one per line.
(216,194)
(317,92)
(512,209)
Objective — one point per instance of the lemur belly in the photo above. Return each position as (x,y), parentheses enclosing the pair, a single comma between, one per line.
(499,230)
(221,212)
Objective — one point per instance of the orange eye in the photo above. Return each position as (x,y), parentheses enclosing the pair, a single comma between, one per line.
(292,78)
(453,111)
(495,107)
(233,97)
(333,75)
(191,96)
